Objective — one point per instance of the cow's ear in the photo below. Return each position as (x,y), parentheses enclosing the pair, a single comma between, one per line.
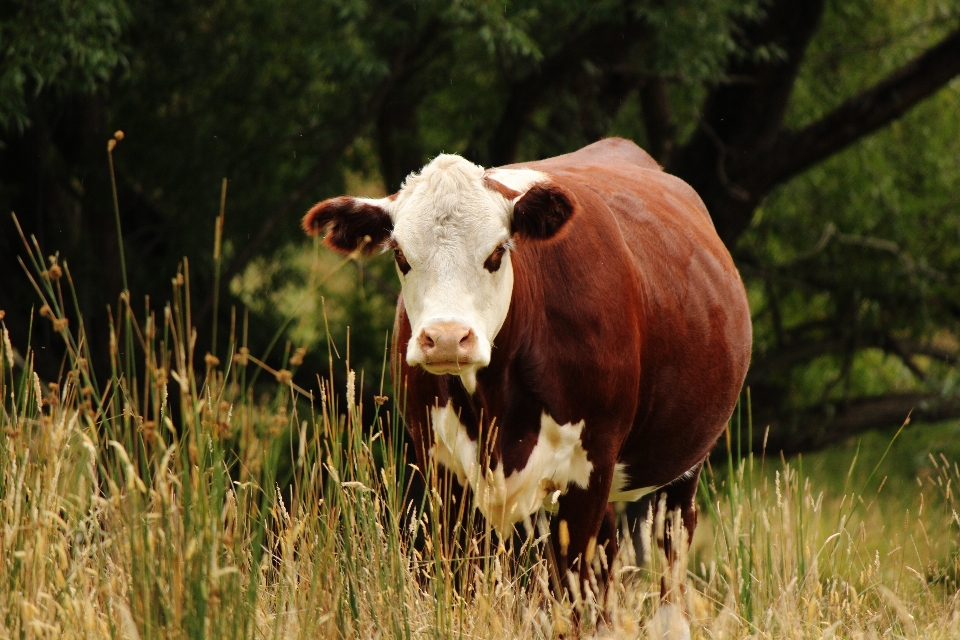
(542,211)
(540,206)
(350,223)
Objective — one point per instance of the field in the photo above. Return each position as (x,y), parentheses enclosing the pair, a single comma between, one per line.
(171,501)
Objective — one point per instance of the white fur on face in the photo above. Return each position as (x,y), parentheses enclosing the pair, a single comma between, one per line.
(447,223)
(557,461)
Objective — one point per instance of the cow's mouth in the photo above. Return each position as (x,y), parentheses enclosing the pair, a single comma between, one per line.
(466,371)
(440,368)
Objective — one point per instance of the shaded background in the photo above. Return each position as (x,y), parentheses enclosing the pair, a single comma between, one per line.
(824,137)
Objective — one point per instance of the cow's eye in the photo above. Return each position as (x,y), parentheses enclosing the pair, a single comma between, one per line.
(402,263)
(492,263)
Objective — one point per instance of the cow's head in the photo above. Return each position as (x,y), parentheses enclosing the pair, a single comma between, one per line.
(451,229)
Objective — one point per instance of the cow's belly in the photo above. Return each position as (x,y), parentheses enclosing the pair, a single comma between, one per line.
(623,489)
(556,461)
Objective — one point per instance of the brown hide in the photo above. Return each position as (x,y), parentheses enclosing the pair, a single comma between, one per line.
(632,318)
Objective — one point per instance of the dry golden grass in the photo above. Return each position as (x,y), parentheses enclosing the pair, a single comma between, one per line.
(168,502)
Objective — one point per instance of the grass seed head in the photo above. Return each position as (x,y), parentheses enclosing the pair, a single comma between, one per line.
(7,346)
(297,358)
(224,430)
(242,357)
(149,430)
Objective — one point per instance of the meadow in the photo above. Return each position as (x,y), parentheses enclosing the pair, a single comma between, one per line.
(190,495)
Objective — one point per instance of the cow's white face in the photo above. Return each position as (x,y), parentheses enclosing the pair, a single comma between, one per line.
(452,241)
(450,228)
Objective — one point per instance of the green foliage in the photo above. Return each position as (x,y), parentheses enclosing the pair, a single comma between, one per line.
(865,248)
(324,300)
(58,47)
(860,254)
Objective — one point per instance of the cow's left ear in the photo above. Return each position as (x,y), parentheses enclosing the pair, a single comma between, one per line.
(542,211)
(540,206)
(349,222)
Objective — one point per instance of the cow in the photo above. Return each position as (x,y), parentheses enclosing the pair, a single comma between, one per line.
(571,332)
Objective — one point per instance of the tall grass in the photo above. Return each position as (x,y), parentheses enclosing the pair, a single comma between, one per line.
(177,496)
(179,499)
(784,556)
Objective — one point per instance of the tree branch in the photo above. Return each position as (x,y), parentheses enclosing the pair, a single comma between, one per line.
(920,349)
(746,113)
(740,151)
(864,113)
(606,42)
(788,357)
(906,357)
(818,428)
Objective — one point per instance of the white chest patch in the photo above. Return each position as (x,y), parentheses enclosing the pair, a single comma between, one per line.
(557,460)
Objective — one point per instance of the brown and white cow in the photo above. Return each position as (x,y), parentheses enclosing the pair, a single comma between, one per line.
(582,309)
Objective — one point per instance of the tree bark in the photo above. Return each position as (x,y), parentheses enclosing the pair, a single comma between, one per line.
(398,142)
(604,44)
(743,116)
(740,151)
(818,428)
(796,151)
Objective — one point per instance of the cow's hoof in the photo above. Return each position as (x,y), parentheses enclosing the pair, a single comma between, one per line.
(669,623)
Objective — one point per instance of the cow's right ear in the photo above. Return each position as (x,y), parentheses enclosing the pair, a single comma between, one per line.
(350,223)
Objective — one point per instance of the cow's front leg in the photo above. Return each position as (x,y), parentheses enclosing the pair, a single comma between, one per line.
(455,520)
(583,529)
(678,500)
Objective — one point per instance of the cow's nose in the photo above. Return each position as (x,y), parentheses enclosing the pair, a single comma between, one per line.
(448,342)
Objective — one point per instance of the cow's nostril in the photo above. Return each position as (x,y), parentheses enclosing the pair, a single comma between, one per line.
(427,342)
(465,340)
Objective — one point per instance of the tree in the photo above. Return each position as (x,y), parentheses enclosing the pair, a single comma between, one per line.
(56,57)
(871,282)
(820,134)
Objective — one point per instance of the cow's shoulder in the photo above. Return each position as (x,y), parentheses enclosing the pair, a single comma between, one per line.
(611,153)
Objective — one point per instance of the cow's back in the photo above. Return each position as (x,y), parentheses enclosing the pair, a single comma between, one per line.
(610,152)
(695,332)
